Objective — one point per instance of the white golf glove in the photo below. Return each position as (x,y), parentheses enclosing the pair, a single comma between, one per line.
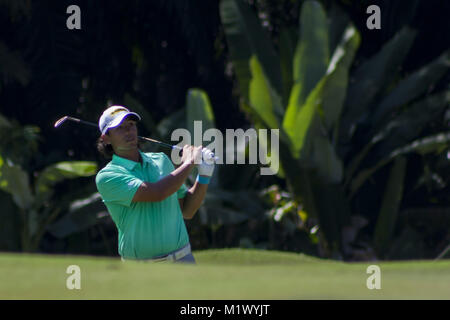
(206,168)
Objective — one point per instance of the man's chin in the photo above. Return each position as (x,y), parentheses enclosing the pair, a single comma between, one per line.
(129,146)
(133,142)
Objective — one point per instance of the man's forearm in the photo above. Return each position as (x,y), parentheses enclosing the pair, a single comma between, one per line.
(193,199)
(175,179)
(158,191)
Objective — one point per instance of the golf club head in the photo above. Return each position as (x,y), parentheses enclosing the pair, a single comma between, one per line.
(61,121)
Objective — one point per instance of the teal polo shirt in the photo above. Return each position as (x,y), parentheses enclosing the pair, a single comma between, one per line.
(146,229)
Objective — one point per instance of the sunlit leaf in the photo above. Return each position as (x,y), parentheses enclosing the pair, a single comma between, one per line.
(263,99)
(198,108)
(246,37)
(58,172)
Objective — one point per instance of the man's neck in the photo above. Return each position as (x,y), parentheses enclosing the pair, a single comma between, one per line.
(132,154)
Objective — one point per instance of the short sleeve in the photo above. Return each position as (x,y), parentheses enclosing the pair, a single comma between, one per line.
(181,193)
(117,187)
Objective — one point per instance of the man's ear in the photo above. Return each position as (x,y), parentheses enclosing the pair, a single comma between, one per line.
(105,138)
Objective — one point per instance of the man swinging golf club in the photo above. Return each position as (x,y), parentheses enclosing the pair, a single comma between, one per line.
(144,193)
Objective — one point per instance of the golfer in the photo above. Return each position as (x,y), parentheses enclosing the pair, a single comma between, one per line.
(145,195)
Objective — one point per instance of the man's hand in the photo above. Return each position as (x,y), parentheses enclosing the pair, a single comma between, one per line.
(191,154)
(196,194)
(206,168)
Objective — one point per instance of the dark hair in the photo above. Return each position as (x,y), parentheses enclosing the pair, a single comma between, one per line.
(105,149)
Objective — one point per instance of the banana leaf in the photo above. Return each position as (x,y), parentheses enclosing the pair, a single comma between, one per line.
(82,215)
(371,78)
(435,143)
(246,37)
(263,99)
(14,180)
(287,42)
(338,23)
(392,198)
(198,108)
(401,130)
(409,124)
(58,172)
(326,100)
(335,87)
(412,87)
(312,52)
(310,65)
(329,166)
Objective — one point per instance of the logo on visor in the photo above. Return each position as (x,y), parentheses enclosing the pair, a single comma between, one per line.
(118,111)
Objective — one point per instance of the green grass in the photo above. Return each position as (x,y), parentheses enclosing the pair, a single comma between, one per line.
(220,274)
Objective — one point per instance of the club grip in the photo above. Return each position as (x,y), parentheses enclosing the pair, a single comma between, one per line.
(179,148)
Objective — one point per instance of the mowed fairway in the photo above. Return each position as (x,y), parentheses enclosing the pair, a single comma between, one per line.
(220,274)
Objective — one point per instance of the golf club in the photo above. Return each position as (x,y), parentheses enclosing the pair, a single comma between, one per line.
(59,122)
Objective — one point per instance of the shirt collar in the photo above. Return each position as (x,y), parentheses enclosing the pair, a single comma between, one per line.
(129,164)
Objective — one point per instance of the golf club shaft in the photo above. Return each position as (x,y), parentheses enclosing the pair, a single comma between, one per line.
(63,119)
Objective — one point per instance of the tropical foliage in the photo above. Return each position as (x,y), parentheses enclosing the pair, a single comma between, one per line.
(34,197)
(331,119)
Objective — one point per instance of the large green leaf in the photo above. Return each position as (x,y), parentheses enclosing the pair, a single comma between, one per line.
(312,53)
(287,43)
(310,61)
(402,129)
(410,123)
(435,143)
(330,167)
(412,87)
(60,171)
(246,37)
(335,87)
(19,143)
(372,77)
(338,23)
(326,99)
(298,125)
(300,182)
(263,99)
(265,146)
(198,108)
(83,214)
(392,198)
(14,180)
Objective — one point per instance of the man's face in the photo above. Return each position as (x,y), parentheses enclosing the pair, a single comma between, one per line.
(123,137)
